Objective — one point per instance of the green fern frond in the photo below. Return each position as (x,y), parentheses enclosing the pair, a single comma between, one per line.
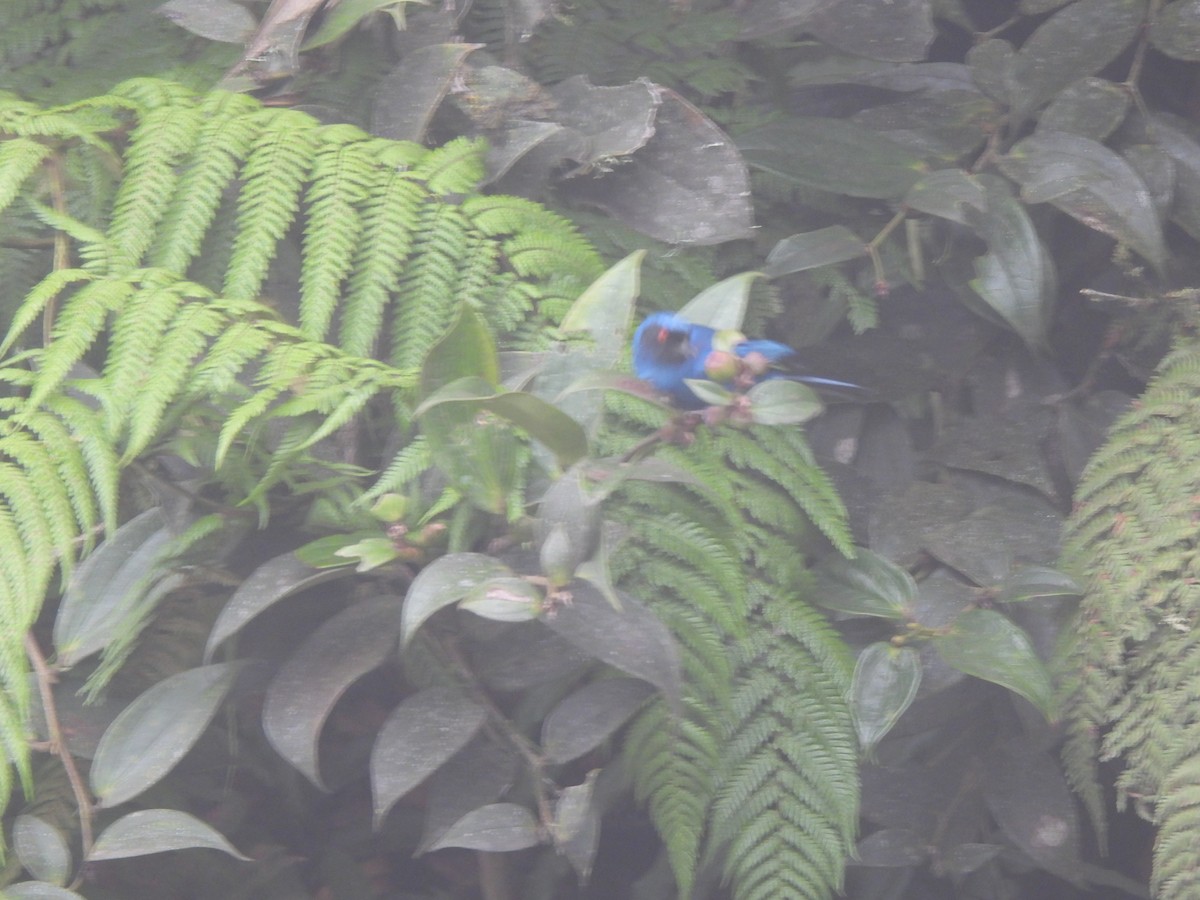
(159,144)
(723,574)
(406,466)
(19,159)
(274,174)
(222,143)
(343,171)
(1135,659)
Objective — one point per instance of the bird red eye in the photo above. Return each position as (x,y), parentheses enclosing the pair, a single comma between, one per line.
(662,335)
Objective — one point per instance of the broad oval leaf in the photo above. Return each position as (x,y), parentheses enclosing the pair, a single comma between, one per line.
(885,682)
(473,777)
(605,309)
(1176,30)
(1091,107)
(868,585)
(409,95)
(1038,583)
(444,582)
(543,421)
(813,249)
(987,645)
(495,828)
(946,193)
(467,349)
(303,693)
(778,401)
(1079,40)
(1090,183)
(1033,804)
(1016,276)
(631,639)
(583,719)
(1180,139)
(39,890)
(420,735)
(892,848)
(215,20)
(156,831)
(687,185)
(722,306)
(271,582)
(833,155)
(107,585)
(42,849)
(153,733)
(576,827)
(895,30)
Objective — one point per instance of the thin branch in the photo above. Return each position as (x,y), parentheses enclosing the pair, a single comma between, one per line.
(58,746)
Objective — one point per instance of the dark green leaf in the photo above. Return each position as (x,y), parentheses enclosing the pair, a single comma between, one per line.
(610,121)
(1181,140)
(892,848)
(1079,40)
(1091,107)
(1016,276)
(941,127)
(962,859)
(271,582)
(867,585)
(475,776)
(885,683)
(833,155)
(896,30)
(687,185)
(576,827)
(42,849)
(309,683)
(778,401)
(992,63)
(444,582)
(409,95)
(108,586)
(215,20)
(987,645)
(1176,30)
(156,831)
(945,193)
(1035,808)
(631,639)
(496,828)
(1037,583)
(813,249)
(1092,184)
(156,730)
(420,735)
(582,720)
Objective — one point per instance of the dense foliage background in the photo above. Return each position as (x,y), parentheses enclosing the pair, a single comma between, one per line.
(340,557)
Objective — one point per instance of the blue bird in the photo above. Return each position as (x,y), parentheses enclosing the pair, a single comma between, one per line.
(668,349)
